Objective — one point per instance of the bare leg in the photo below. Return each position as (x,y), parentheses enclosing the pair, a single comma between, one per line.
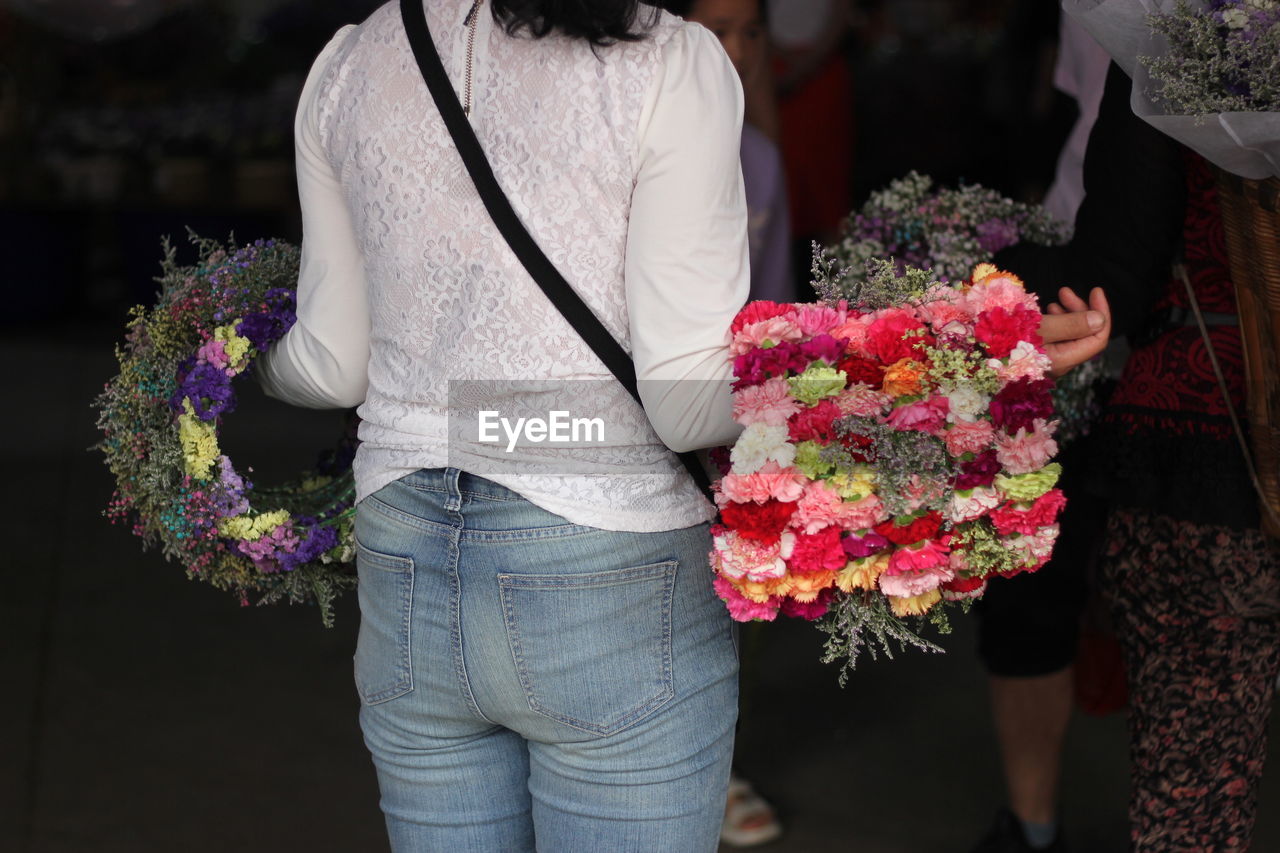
(1031,717)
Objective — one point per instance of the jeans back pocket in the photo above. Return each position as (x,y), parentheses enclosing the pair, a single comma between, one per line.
(593,651)
(384,653)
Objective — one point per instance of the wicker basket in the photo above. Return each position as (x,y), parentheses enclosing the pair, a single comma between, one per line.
(1251,219)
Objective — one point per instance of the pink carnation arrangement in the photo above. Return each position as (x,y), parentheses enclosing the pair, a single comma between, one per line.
(896,454)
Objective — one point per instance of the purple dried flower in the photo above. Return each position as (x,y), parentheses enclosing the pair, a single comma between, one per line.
(207,387)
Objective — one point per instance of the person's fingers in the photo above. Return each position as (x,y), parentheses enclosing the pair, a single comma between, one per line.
(1070,326)
(1066,355)
(1070,300)
(1098,302)
(1055,308)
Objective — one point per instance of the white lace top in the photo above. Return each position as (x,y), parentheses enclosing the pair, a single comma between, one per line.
(622,163)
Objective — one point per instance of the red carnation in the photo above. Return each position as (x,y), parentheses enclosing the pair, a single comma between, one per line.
(1019,403)
(818,552)
(809,610)
(979,471)
(1009,518)
(764,522)
(814,423)
(859,447)
(965,584)
(1000,330)
(917,530)
(886,341)
(754,312)
(864,370)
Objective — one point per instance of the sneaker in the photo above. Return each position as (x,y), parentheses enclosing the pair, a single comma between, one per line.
(1006,836)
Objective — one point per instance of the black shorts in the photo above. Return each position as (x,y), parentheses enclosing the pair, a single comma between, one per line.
(1029,625)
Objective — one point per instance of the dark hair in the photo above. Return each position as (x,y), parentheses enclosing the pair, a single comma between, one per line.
(601,22)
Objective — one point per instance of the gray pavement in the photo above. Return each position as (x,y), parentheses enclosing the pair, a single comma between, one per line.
(145,712)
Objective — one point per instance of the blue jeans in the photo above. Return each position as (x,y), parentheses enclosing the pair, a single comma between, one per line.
(531,684)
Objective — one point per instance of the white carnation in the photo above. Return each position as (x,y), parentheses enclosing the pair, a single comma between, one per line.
(966,404)
(978,502)
(758,444)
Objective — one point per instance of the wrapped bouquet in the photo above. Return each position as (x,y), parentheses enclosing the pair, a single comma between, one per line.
(1205,73)
(896,453)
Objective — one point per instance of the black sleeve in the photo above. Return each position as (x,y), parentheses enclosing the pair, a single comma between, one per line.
(1130,222)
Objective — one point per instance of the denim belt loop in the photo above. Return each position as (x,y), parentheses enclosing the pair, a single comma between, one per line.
(453,490)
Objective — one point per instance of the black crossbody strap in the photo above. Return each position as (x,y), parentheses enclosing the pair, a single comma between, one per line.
(526,249)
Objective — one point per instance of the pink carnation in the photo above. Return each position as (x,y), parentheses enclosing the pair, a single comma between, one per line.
(771,481)
(823,507)
(774,330)
(1025,361)
(998,290)
(927,416)
(853,332)
(741,608)
(818,319)
(929,554)
(968,437)
(918,491)
(862,401)
(768,403)
(1026,451)
(943,312)
(863,514)
(1035,549)
(910,582)
(740,557)
(820,507)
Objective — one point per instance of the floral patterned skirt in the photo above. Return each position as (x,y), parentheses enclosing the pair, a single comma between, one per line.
(1197,611)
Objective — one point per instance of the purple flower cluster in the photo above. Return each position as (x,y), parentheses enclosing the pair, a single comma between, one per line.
(997,234)
(290,545)
(947,231)
(207,387)
(265,328)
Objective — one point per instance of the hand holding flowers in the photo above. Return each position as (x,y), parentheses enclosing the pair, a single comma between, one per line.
(897,449)
(1075,331)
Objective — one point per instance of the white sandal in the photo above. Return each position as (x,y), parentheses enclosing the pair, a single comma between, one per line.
(748,819)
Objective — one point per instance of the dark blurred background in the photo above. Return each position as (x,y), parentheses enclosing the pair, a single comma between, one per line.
(145,712)
(121,121)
